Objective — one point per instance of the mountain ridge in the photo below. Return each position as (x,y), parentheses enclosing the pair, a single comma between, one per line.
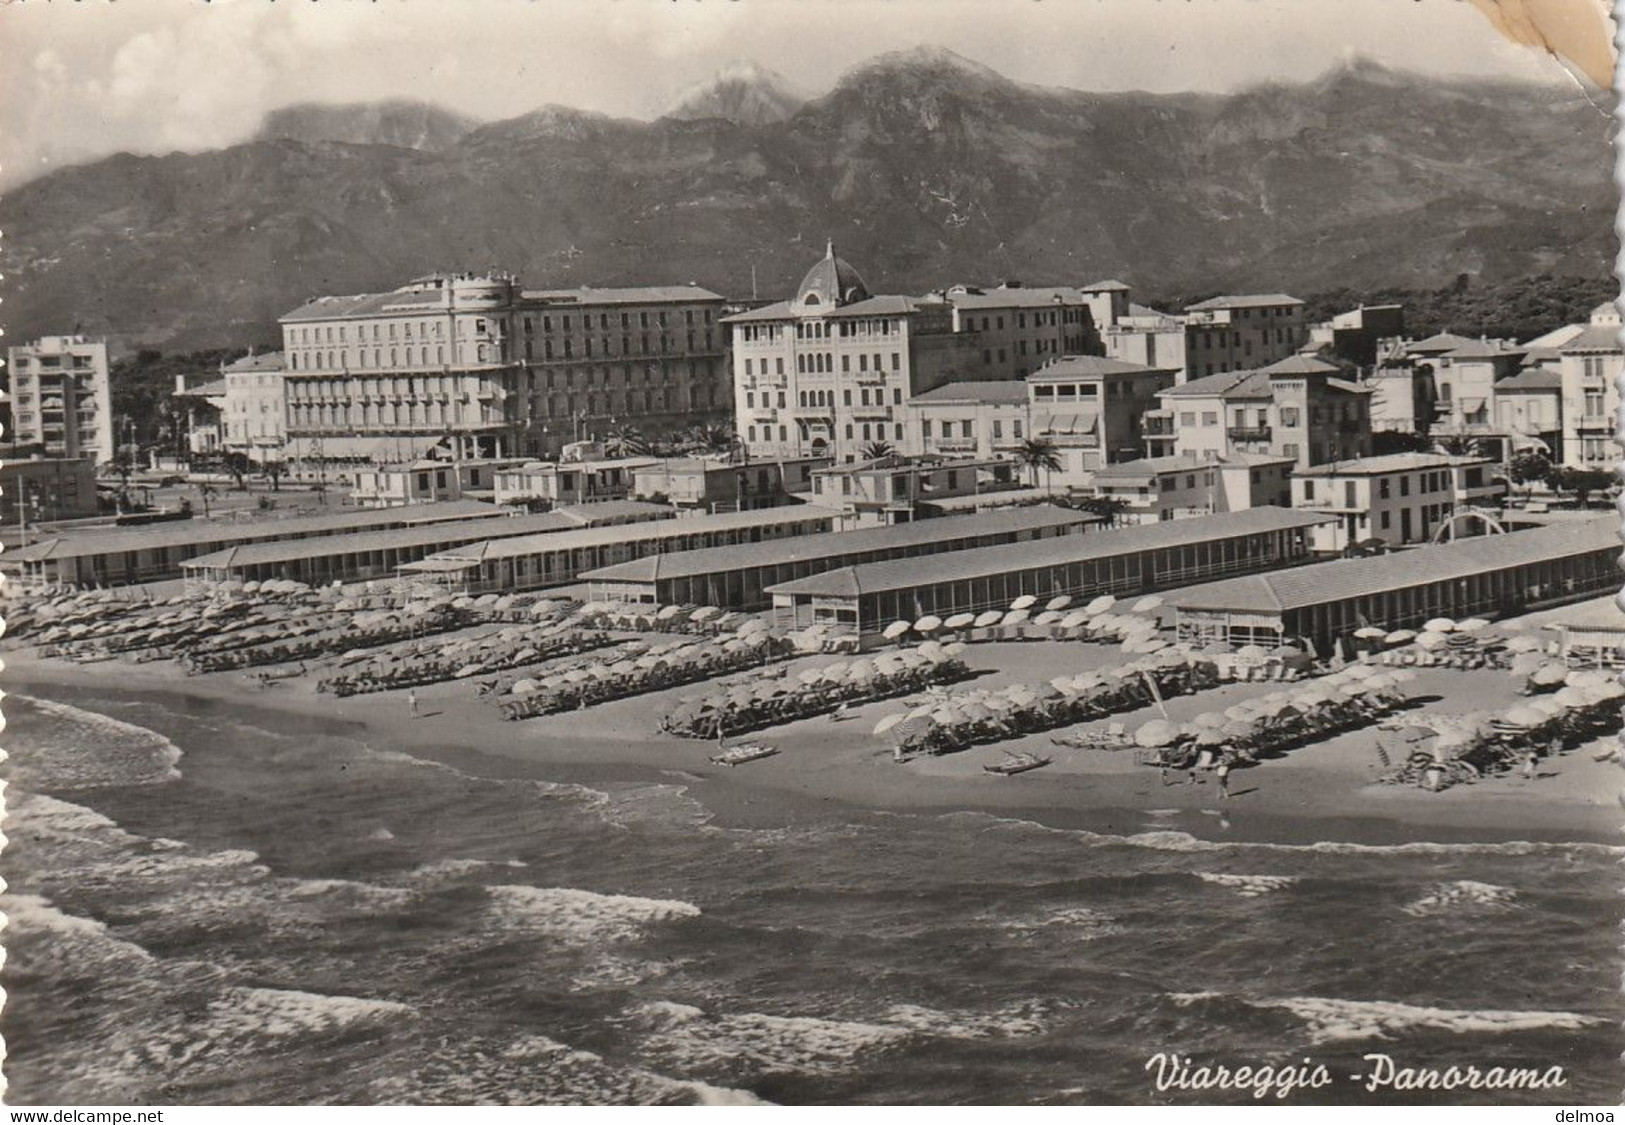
(927,169)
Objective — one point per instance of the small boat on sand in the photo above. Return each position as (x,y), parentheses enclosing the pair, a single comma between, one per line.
(744,752)
(1018,763)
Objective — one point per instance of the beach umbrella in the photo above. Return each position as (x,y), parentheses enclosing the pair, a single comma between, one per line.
(1101,604)
(896,629)
(959,621)
(1252,652)
(987,617)
(1239,731)
(1400,636)
(1523,643)
(1015,617)
(1026,601)
(1472,625)
(1048,617)
(667,612)
(1370,633)
(889,722)
(1058,602)
(954,649)
(706,613)
(1073,619)
(1065,685)
(1569,697)
(1355,688)
(1208,736)
(927,624)
(1438,625)
(1431,639)
(1549,675)
(1210,720)
(1525,717)
(1156,733)
(1546,706)
(1240,713)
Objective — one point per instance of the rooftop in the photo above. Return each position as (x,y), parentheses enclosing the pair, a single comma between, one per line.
(1237,384)
(1531,379)
(1110,285)
(524,545)
(981,562)
(629,295)
(263,361)
(841,544)
(1243,301)
(1388,463)
(1152,466)
(1343,579)
(1438,344)
(1594,338)
(386,539)
(1091,367)
(186,533)
(1019,297)
(1008,392)
(1302,364)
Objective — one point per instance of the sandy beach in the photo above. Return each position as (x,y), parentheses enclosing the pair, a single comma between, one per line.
(1324,791)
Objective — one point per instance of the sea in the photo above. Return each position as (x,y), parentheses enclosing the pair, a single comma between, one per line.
(213,904)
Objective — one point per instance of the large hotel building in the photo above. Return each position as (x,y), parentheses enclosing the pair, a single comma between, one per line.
(60,397)
(829,371)
(499,370)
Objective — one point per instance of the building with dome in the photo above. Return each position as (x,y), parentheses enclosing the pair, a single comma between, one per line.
(829,371)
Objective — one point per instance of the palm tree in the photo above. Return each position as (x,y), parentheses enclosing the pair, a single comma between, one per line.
(1456,445)
(626,441)
(875,450)
(1039,453)
(1109,508)
(711,438)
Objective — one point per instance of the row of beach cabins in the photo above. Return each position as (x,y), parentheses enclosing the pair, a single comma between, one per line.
(1240,578)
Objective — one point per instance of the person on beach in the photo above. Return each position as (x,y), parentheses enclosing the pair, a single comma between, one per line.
(412,703)
(838,714)
(1223,772)
(1529,760)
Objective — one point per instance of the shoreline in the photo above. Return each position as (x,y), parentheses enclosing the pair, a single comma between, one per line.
(1316,794)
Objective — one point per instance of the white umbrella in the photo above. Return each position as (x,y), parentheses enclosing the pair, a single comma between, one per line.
(959,620)
(896,629)
(1015,617)
(1146,605)
(890,721)
(1026,601)
(987,617)
(1439,625)
(1060,601)
(927,624)
(1100,604)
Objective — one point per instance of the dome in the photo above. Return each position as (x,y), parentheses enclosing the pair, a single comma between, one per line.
(831,281)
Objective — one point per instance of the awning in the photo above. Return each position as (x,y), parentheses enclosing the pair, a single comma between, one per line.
(1082,421)
(433,565)
(1471,405)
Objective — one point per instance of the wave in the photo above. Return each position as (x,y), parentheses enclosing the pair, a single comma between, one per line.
(1172,840)
(1078,922)
(687,1037)
(83,749)
(1016,1021)
(1248,886)
(1462,894)
(1332,1020)
(582,916)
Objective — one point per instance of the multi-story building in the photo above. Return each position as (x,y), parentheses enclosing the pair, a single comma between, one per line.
(1093,409)
(1357,336)
(1020,329)
(1239,333)
(499,370)
(1529,410)
(1154,489)
(253,411)
(894,489)
(203,398)
(1211,337)
(46,489)
(976,419)
(827,372)
(1590,365)
(1401,498)
(1465,377)
(701,484)
(60,397)
(1303,407)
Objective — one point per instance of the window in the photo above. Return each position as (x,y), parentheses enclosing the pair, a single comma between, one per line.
(1348,494)
(1404,486)
(1387,519)
(1210,418)
(1308,489)
(1289,416)
(1384,488)
(1187,418)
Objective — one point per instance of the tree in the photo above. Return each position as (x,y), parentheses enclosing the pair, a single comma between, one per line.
(875,450)
(1456,445)
(273,472)
(1039,453)
(711,438)
(1110,509)
(205,490)
(626,441)
(1529,466)
(1384,442)
(238,465)
(1581,482)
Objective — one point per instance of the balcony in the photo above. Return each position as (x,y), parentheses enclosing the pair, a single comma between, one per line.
(765,414)
(1247,433)
(1157,426)
(953,445)
(871,413)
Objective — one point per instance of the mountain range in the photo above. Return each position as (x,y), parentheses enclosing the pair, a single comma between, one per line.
(926,168)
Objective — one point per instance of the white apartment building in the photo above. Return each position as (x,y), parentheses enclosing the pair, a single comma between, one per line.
(61,399)
(1400,499)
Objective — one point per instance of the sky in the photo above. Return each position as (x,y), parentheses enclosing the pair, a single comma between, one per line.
(85,78)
